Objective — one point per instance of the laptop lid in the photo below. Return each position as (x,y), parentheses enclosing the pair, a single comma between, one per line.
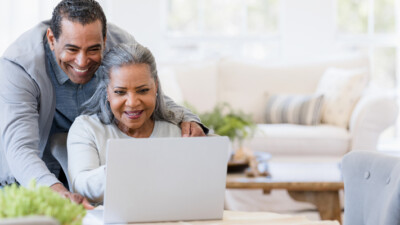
(165,179)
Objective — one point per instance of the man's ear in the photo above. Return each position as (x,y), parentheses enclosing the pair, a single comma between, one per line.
(104,42)
(50,38)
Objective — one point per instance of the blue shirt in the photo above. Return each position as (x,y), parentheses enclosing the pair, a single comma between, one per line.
(69,96)
(69,99)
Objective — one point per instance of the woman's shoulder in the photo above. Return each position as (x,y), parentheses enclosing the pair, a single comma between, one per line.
(89,122)
(87,119)
(166,129)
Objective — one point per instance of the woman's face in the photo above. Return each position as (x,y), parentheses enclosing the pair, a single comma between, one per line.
(132,96)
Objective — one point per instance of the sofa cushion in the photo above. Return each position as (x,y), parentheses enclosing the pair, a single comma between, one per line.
(342,90)
(292,139)
(243,84)
(198,82)
(294,109)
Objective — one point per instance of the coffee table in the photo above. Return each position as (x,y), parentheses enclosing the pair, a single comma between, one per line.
(314,181)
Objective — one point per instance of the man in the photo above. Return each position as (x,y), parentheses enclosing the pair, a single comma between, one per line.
(45,76)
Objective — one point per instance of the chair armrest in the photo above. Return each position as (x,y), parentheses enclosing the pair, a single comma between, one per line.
(372,188)
(372,114)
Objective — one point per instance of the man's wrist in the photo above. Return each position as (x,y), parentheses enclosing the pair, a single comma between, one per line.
(58,187)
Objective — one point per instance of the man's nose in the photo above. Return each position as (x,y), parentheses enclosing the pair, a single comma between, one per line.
(82,60)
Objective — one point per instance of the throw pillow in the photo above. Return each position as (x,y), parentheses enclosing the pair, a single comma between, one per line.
(342,89)
(295,109)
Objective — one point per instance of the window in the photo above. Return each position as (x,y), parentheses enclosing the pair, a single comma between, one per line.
(370,25)
(203,28)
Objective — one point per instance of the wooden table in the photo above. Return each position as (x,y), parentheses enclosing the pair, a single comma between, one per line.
(316,182)
(238,218)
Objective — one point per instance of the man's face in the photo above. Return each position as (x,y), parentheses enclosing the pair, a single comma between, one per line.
(79,49)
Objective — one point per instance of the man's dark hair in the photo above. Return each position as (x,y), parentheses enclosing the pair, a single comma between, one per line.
(81,11)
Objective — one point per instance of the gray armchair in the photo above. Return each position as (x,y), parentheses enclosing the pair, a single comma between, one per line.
(371,188)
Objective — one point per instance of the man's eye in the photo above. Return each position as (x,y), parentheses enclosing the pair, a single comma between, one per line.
(72,50)
(95,49)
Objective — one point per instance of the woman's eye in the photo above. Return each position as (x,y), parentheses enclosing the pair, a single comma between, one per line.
(143,91)
(119,92)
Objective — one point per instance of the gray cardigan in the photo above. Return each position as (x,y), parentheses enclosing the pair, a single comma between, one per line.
(27,106)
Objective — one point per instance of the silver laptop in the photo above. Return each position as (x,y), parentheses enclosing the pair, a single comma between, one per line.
(165,179)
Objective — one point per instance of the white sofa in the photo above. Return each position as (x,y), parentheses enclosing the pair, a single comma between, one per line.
(245,86)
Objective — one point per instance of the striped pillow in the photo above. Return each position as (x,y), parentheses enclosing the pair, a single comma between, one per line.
(295,109)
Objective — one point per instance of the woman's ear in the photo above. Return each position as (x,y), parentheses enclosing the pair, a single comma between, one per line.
(157,88)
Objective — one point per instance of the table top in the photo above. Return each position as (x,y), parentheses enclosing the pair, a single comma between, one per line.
(293,175)
(236,218)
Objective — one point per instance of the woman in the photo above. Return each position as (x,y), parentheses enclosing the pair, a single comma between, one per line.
(128,103)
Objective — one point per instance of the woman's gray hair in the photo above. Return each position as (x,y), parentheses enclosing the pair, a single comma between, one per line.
(119,56)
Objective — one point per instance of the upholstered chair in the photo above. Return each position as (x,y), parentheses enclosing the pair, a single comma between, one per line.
(371,188)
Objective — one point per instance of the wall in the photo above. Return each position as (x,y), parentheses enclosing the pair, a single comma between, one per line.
(141,19)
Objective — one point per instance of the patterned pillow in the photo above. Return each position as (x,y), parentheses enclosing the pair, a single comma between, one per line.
(295,109)
(342,89)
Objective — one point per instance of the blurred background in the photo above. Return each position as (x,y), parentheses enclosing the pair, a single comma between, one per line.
(270,31)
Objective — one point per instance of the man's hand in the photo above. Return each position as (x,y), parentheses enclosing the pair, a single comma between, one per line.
(74,197)
(191,129)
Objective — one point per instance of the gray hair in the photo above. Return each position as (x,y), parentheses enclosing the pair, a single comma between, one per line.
(119,56)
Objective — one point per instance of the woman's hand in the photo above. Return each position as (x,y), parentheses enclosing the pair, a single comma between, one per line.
(191,129)
(74,197)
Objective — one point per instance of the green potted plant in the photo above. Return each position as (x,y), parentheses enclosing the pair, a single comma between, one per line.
(225,121)
(26,204)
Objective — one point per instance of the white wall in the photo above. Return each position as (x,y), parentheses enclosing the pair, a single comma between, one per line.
(141,19)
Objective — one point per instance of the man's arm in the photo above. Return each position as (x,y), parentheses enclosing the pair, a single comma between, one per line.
(190,123)
(20,132)
(19,125)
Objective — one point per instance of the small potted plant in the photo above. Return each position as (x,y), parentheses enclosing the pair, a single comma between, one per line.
(238,126)
(37,205)
(225,121)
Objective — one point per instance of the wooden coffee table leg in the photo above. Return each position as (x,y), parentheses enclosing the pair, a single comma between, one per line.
(327,202)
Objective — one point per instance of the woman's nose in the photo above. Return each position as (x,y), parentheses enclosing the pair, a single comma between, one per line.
(132,100)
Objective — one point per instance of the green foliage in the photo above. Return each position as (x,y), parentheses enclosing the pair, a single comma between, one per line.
(227,122)
(39,200)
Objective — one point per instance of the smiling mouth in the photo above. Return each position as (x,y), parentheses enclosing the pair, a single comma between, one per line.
(80,71)
(134,114)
